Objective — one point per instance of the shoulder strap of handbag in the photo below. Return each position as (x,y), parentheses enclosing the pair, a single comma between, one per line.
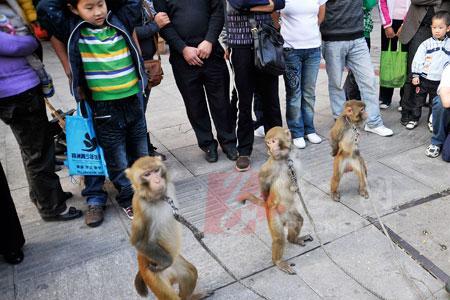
(152,18)
(254,30)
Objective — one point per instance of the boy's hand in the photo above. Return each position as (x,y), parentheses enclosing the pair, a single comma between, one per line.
(162,19)
(399,31)
(416,81)
(204,49)
(190,55)
(226,54)
(389,32)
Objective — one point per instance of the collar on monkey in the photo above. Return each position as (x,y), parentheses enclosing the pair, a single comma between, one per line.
(197,233)
(355,131)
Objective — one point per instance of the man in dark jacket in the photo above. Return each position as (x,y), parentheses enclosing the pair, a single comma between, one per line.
(198,66)
(344,45)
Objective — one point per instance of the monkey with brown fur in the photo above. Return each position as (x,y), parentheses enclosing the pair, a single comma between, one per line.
(344,144)
(278,196)
(157,235)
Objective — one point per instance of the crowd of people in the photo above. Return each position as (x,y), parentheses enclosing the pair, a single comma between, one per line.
(102,46)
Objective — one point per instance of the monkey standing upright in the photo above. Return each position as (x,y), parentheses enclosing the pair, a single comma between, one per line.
(344,144)
(157,235)
(278,196)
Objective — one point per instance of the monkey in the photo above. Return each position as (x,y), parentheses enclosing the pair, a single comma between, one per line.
(156,234)
(344,138)
(278,195)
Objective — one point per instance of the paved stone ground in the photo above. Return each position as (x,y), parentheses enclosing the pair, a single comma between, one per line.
(411,191)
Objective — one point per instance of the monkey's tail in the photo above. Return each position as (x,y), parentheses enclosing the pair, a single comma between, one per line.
(140,285)
(252,198)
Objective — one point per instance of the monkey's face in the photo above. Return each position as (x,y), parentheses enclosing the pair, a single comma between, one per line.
(355,111)
(149,177)
(278,141)
(154,180)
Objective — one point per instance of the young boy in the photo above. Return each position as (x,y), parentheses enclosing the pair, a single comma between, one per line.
(106,67)
(428,64)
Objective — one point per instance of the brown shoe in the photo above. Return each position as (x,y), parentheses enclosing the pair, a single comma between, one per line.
(94,215)
(243,163)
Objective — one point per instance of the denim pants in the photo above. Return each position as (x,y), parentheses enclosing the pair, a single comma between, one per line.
(355,55)
(121,132)
(441,122)
(302,68)
(93,190)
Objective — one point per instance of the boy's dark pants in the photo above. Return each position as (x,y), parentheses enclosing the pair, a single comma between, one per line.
(415,103)
(213,79)
(121,132)
(26,115)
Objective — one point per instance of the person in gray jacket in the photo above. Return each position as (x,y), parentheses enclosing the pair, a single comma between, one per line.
(344,45)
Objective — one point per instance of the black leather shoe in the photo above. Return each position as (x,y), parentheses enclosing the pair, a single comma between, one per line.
(211,153)
(152,152)
(231,153)
(73,213)
(14,258)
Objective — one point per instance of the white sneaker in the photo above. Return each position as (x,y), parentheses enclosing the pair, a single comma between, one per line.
(259,132)
(384,106)
(380,130)
(314,138)
(400,108)
(299,143)
(430,123)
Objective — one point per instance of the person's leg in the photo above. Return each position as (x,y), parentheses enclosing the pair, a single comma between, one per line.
(310,71)
(110,127)
(417,100)
(191,88)
(335,54)
(441,119)
(93,190)
(151,149)
(351,87)
(217,81)
(243,67)
(136,129)
(267,88)
(258,110)
(292,81)
(359,62)
(26,115)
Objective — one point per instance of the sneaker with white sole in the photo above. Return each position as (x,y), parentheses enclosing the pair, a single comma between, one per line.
(384,106)
(128,211)
(411,125)
(299,143)
(259,132)
(380,130)
(433,151)
(314,138)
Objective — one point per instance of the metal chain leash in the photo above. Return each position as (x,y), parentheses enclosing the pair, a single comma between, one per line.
(199,236)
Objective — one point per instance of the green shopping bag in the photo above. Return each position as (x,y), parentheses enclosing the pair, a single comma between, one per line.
(369,4)
(393,71)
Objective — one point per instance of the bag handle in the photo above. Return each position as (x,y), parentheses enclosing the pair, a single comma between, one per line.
(86,107)
(152,18)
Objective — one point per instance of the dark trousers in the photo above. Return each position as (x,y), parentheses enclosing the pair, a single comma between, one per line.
(385,92)
(11,235)
(213,79)
(350,86)
(248,81)
(418,100)
(26,115)
(408,100)
(121,132)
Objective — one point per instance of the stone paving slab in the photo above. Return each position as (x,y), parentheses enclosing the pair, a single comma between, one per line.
(6,276)
(424,227)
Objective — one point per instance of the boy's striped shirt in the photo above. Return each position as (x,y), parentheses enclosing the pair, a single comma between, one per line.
(108,65)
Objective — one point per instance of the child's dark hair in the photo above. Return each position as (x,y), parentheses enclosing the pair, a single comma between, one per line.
(442,15)
(72,2)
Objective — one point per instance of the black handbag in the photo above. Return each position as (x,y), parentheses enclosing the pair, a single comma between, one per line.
(268,48)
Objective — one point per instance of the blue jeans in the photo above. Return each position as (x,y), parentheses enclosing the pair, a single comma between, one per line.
(302,68)
(441,121)
(121,132)
(93,190)
(355,55)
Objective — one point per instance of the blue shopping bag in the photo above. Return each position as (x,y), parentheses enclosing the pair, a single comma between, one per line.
(84,155)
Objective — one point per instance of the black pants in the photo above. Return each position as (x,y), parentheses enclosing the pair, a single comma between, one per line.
(248,81)
(193,82)
(385,92)
(350,86)
(11,235)
(26,115)
(408,100)
(424,89)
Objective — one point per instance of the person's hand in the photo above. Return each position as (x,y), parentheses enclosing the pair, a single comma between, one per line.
(162,19)
(389,32)
(204,49)
(190,55)
(226,54)
(416,81)
(399,31)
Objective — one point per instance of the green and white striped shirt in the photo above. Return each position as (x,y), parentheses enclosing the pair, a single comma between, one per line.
(108,65)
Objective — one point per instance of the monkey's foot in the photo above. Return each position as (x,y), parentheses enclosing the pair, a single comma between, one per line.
(336,196)
(364,193)
(201,295)
(301,240)
(285,267)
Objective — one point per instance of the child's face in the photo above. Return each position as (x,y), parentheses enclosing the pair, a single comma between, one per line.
(439,29)
(92,11)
